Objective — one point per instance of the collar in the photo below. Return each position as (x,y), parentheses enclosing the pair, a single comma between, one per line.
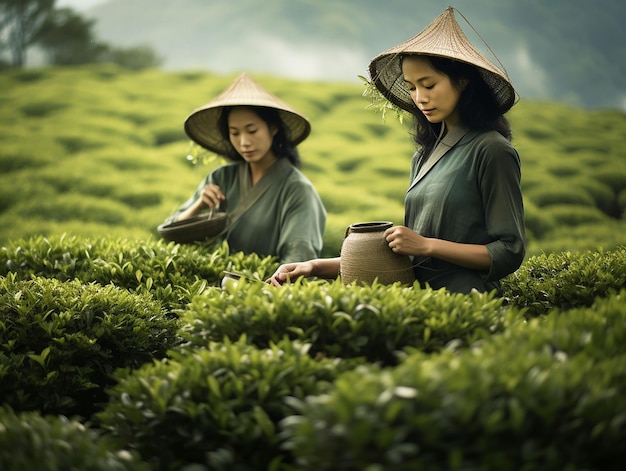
(442,146)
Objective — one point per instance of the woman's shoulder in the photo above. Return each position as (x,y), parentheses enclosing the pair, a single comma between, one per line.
(229,168)
(296,176)
(296,182)
(491,137)
(490,142)
(491,150)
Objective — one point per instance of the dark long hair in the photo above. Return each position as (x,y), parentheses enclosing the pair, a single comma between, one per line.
(477,105)
(282,147)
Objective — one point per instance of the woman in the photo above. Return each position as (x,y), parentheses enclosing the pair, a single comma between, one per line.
(464,216)
(273,208)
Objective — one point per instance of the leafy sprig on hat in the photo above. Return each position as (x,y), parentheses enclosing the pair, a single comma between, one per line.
(379,103)
(198,155)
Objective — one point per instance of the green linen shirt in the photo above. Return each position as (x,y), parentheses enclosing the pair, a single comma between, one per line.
(471,195)
(287,220)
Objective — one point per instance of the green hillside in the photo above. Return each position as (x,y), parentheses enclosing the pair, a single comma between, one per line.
(100,152)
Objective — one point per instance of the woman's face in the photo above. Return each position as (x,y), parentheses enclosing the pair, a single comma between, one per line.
(432,91)
(250,136)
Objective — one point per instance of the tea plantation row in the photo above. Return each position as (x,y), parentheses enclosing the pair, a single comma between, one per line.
(127,355)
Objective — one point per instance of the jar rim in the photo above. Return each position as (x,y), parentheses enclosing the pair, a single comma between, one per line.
(372,226)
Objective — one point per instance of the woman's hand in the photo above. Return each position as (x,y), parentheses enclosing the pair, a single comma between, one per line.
(290,271)
(404,241)
(212,196)
(326,268)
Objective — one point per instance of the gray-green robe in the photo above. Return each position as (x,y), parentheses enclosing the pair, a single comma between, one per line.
(287,220)
(471,195)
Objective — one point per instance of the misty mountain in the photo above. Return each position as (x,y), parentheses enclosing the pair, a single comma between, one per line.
(570,51)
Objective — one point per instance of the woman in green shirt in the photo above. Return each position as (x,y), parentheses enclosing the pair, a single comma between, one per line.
(273,208)
(464,215)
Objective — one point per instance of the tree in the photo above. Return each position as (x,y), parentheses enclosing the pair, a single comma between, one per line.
(20,23)
(134,58)
(67,39)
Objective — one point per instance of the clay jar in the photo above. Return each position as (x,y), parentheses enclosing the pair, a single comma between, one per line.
(366,256)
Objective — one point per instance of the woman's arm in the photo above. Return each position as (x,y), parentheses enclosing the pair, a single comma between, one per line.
(303,220)
(404,241)
(207,195)
(327,268)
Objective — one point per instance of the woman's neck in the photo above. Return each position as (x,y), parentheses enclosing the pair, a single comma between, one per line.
(258,169)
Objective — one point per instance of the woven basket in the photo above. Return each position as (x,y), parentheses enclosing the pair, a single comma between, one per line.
(366,256)
(194,229)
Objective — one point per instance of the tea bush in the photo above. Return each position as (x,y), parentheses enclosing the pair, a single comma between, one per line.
(373,322)
(217,406)
(565,280)
(602,194)
(88,209)
(542,395)
(265,346)
(29,441)
(611,176)
(621,198)
(538,223)
(579,239)
(61,341)
(171,272)
(566,215)
(22,152)
(561,195)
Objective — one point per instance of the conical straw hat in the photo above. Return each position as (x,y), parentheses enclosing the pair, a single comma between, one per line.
(202,124)
(444,38)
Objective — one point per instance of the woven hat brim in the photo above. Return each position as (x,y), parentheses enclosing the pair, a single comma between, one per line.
(442,38)
(202,124)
